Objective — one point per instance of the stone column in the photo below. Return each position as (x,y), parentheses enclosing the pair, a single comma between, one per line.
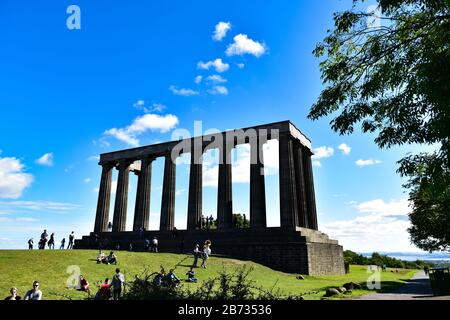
(300,187)
(225,191)
(168,195)
(195,191)
(142,208)
(121,203)
(257,187)
(104,198)
(288,193)
(310,193)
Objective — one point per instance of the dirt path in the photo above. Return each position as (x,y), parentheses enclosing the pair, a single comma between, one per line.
(418,288)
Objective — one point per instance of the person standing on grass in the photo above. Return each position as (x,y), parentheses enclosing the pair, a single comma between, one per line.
(51,242)
(197,254)
(35,293)
(63,244)
(155,245)
(43,242)
(206,253)
(117,283)
(71,239)
(30,244)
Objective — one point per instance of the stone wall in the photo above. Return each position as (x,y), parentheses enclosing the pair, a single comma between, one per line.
(302,251)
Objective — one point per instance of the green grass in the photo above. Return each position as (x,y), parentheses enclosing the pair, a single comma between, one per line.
(21,268)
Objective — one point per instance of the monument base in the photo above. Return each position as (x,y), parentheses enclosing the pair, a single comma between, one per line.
(302,251)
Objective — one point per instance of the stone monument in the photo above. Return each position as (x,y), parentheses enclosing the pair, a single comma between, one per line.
(296,246)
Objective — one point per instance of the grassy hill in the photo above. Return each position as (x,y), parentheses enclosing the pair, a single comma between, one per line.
(21,268)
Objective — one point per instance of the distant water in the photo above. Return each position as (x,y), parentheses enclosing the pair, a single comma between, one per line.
(413,256)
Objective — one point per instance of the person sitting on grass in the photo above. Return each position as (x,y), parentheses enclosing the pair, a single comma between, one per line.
(159,280)
(191,275)
(111,259)
(172,279)
(84,285)
(101,257)
(13,295)
(104,291)
(35,293)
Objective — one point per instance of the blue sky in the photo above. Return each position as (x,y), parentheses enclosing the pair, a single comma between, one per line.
(136,71)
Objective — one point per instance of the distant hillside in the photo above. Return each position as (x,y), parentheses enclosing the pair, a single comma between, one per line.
(413,256)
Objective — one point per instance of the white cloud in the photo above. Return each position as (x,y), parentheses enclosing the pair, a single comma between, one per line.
(101,142)
(123,135)
(155,107)
(46,160)
(26,219)
(113,188)
(317,163)
(87,180)
(198,79)
(216,79)
(13,179)
(369,162)
(49,206)
(183,91)
(141,125)
(323,152)
(218,64)
(243,45)
(153,122)
(218,90)
(139,104)
(378,206)
(345,148)
(221,30)
(381,227)
(94,158)
(240,164)
(181,192)
(241,65)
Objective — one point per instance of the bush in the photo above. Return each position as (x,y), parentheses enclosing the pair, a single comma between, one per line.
(227,286)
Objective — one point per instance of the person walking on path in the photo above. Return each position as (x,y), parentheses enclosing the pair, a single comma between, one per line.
(71,239)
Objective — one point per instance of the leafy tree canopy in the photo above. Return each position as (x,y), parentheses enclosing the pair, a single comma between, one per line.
(393,79)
